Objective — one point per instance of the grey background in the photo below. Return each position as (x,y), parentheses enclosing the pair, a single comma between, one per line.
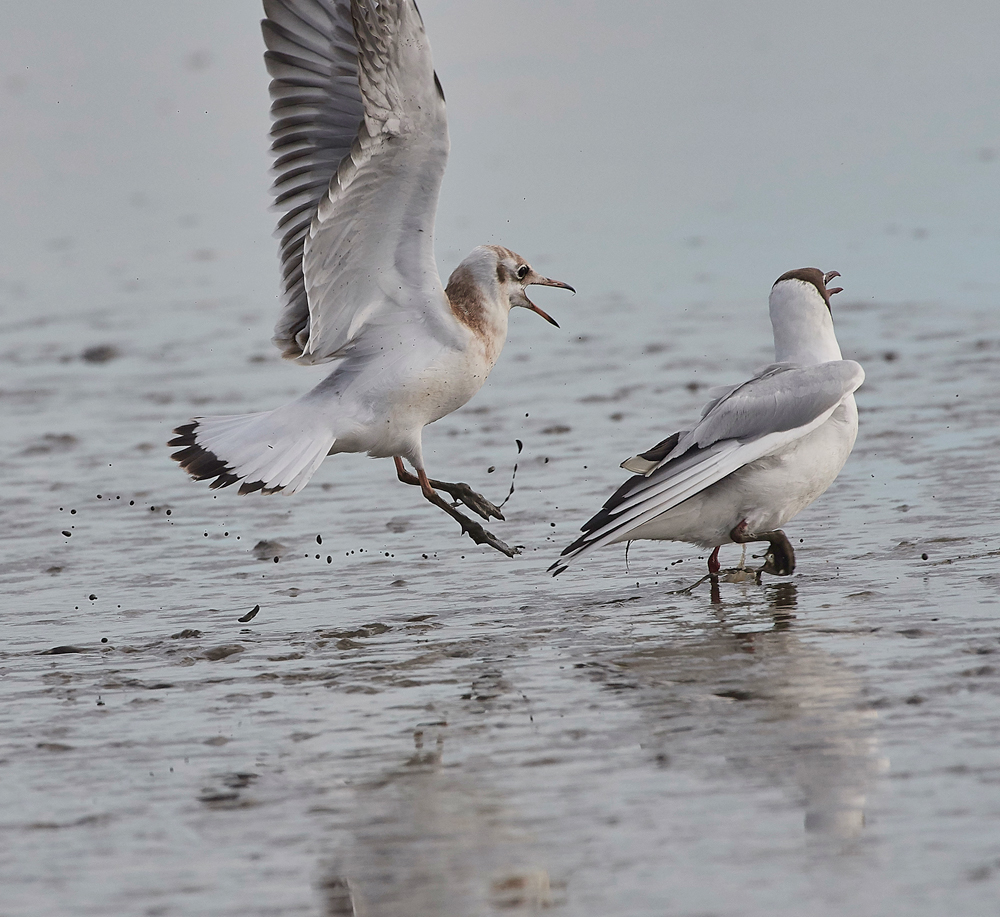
(680,153)
(435,728)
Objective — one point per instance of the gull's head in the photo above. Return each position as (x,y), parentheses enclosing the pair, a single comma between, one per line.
(805,283)
(494,273)
(802,318)
(514,274)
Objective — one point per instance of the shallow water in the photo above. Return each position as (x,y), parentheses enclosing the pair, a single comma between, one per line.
(424,727)
(410,724)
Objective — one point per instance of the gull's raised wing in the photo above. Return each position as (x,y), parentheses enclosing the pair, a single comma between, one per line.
(780,405)
(360,145)
(316,110)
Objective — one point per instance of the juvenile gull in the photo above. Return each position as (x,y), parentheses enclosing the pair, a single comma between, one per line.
(360,143)
(762,451)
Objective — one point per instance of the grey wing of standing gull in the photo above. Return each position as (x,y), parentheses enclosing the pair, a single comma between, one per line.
(782,397)
(776,407)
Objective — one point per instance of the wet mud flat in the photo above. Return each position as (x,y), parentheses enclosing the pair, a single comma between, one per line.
(413,725)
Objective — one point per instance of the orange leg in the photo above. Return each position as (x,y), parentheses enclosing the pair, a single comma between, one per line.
(460,493)
(471,528)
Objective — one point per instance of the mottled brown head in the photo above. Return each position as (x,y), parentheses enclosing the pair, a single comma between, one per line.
(817,278)
(514,274)
(494,274)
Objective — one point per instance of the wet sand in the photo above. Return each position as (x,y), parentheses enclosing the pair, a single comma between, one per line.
(414,725)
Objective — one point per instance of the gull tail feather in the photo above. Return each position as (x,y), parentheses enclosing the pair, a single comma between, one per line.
(272,451)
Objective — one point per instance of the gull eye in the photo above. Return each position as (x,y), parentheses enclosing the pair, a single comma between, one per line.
(522,271)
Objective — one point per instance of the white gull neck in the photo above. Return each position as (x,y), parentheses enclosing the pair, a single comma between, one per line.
(477,300)
(802,324)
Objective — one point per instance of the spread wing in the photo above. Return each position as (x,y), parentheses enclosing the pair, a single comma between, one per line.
(360,146)
(778,406)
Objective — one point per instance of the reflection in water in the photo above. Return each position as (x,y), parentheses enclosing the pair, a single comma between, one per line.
(339,897)
(778,710)
(730,704)
(433,843)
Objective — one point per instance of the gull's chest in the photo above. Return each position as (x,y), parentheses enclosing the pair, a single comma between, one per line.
(452,379)
(780,486)
(457,373)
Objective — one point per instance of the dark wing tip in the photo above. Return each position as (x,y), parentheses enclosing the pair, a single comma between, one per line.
(604,514)
(224,480)
(580,542)
(199,462)
(203,464)
(662,449)
(185,434)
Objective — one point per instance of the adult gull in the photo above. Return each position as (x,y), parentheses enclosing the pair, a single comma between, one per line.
(761,452)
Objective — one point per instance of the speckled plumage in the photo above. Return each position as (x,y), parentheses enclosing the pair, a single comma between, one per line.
(360,141)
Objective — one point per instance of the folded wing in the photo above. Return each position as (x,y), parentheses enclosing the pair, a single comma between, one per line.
(778,406)
(360,146)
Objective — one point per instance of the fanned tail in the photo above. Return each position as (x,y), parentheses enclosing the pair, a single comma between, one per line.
(272,451)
